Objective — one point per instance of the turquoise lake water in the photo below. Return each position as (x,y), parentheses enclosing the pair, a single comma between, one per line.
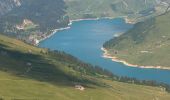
(84,40)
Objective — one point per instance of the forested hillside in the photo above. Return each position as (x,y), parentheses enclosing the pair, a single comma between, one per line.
(147,44)
(31,73)
(34,20)
(7,5)
(78,9)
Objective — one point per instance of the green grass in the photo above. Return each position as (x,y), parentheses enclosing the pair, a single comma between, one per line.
(152,36)
(28,89)
(51,78)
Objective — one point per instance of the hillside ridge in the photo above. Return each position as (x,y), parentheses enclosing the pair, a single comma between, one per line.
(147,44)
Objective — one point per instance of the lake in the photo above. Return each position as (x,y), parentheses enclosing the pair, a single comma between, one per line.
(84,40)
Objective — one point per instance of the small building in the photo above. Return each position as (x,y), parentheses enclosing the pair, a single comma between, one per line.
(79,87)
(35,41)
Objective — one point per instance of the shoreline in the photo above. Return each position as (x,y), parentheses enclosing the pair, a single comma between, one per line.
(115,59)
(76,20)
(105,54)
(51,34)
(64,28)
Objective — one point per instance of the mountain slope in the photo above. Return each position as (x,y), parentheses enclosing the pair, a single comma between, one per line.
(30,73)
(7,5)
(34,20)
(78,9)
(147,44)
